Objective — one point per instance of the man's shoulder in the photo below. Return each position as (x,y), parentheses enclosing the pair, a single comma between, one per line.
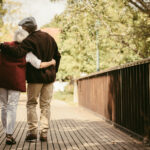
(41,32)
(44,34)
(39,35)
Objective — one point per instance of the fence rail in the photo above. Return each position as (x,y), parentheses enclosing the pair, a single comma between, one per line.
(120,94)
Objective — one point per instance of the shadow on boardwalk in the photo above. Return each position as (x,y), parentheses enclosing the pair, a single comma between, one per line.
(71,128)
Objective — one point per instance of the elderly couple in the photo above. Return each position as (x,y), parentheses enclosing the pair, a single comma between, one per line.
(36,54)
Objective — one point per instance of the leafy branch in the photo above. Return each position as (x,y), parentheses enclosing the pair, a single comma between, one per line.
(142,5)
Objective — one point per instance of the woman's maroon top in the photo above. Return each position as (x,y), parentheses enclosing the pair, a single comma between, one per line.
(12,71)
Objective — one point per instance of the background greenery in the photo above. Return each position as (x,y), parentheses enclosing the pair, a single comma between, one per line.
(123,35)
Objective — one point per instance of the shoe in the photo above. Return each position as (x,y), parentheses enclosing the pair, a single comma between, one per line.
(43,136)
(10,140)
(31,137)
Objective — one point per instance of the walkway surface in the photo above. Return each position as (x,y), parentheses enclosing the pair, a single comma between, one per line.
(71,128)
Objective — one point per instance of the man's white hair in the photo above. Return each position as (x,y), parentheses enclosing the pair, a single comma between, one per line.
(20,35)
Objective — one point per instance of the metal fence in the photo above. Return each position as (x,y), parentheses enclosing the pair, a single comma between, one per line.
(120,94)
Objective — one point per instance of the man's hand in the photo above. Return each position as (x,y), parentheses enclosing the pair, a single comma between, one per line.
(47,64)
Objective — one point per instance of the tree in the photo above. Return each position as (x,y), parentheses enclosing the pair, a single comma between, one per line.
(10,12)
(123,35)
(14,13)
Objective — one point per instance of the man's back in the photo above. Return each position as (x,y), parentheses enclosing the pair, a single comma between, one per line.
(45,48)
(43,45)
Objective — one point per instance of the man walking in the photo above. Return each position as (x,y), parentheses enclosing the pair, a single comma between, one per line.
(40,81)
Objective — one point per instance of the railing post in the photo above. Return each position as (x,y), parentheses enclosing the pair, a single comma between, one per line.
(149,85)
(149,106)
(121,117)
(97,46)
(75,93)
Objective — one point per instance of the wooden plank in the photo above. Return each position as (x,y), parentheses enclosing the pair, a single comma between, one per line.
(49,141)
(92,144)
(25,145)
(18,135)
(22,139)
(32,145)
(29,144)
(38,143)
(67,139)
(17,129)
(77,130)
(2,141)
(88,132)
(102,134)
(71,141)
(67,131)
(58,135)
(117,136)
(53,137)
(1,127)
(3,137)
(75,137)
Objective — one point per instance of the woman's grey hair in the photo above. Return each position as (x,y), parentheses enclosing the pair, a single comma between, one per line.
(20,35)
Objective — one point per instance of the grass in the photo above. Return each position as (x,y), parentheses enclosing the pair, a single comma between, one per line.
(66,95)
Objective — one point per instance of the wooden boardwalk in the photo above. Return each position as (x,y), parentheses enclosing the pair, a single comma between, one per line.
(71,128)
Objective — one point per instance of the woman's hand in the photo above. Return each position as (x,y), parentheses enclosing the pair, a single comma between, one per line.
(53,62)
(47,64)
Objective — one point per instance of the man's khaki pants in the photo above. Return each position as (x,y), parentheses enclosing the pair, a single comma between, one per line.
(44,93)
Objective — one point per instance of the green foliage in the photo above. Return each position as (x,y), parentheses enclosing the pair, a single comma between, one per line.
(123,35)
(7,33)
(11,11)
(2,12)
